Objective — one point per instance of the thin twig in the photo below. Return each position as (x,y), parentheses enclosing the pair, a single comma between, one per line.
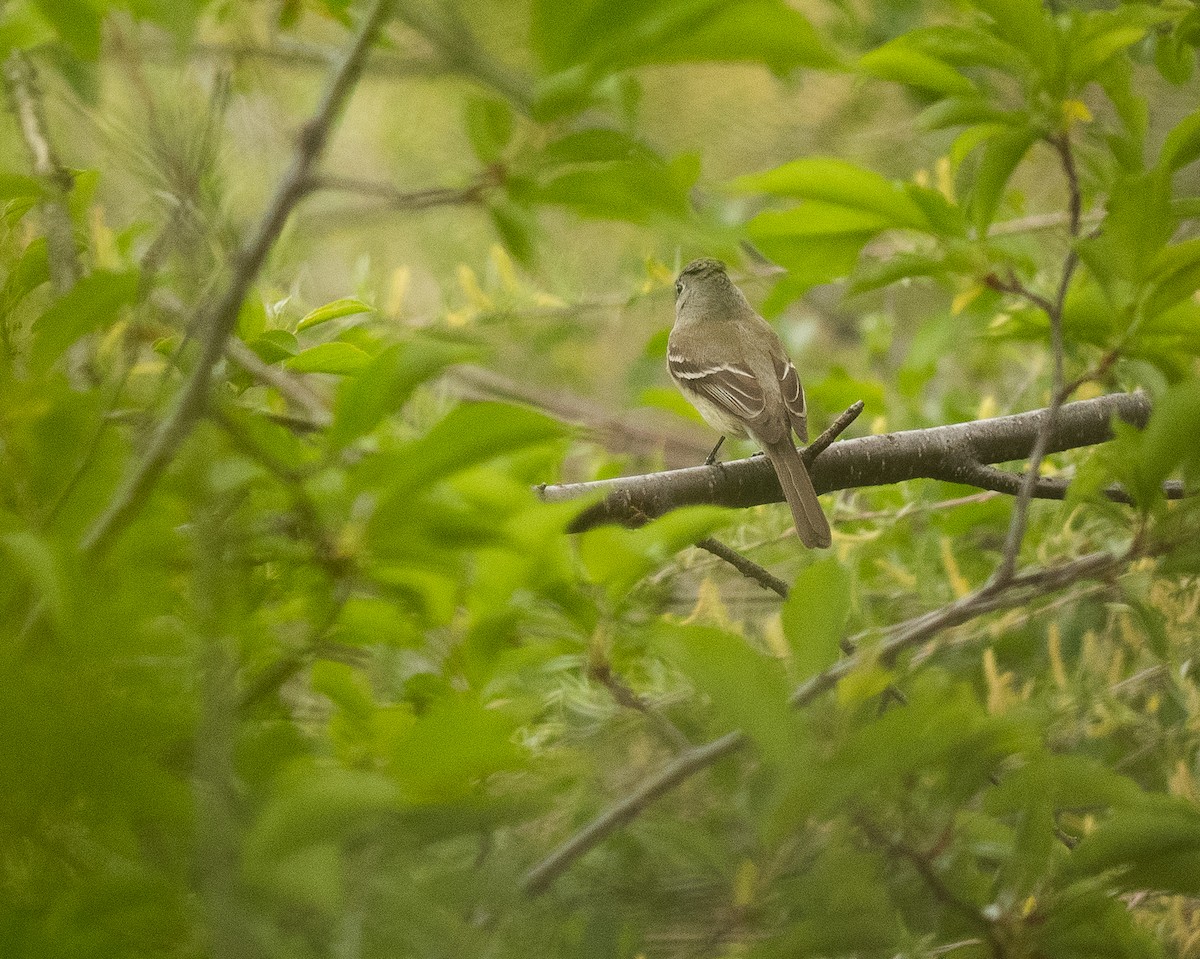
(21,79)
(538,879)
(1054,311)
(290,386)
(601,671)
(219,316)
(396,199)
(747,567)
(922,863)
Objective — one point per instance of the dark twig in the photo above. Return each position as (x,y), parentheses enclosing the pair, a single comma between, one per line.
(747,567)
(678,771)
(21,80)
(922,863)
(393,198)
(601,671)
(217,318)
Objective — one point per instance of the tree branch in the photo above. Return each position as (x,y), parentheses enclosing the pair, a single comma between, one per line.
(217,317)
(1018,591)
(21,80)
(1061,391)
(936,453)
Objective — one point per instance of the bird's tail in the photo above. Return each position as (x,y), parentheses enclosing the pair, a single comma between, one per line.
(811,524)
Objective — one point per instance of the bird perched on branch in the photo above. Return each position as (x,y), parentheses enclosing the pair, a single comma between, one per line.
(731,365)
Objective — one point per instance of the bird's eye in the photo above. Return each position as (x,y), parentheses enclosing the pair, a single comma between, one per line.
(679,288)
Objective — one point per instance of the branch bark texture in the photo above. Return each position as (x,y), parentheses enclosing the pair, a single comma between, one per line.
(954,453)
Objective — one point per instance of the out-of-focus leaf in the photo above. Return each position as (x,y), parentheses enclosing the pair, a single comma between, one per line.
(1157,847)
(1167,442)
(385,385)
(747,689)
(275,345)
(333,311)
(1001,154)
(95,299)
(17,185)
(839,183)
(77,22)
(619,557)
(965,111)
(30,555)
(875,274)
(815,614)
(311,806)
(489,126)
(22,27)
(1025,25)
(612,35)
(337,358)
(452,747)
(1182,145)
(902,63)
(470,434)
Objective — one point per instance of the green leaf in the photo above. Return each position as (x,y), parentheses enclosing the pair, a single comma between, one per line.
(452,747)
(252,319)
(1001,154)
(489,126)
(337,358)
(93,301)
(965,111)
(899,62)
(312,806)
(619,557)
(77,22)
(19,186)
(1064,781)
(1182,145)
(814,616)
(470,434)
(29,555)
(612,35)
(387,382)
(23,28)
(1027,26)
(876,274)
(748,690)
(1155,848)
(1166,442)
(333,311)
(275,345)
(839,183)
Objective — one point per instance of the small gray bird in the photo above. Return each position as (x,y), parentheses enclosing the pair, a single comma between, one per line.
(731,365)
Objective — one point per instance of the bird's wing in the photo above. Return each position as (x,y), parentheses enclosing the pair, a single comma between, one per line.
(793,394)
(730,386)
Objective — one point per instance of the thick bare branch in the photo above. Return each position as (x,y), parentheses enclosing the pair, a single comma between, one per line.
(940,453)
(218,316)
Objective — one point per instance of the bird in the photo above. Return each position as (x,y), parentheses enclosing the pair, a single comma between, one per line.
(731,365)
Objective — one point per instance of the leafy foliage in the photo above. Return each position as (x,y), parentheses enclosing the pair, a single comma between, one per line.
(345,677)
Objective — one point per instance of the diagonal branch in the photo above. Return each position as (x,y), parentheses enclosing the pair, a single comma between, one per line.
(1017,591)
(218,316)
(56,181)
(940,453)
